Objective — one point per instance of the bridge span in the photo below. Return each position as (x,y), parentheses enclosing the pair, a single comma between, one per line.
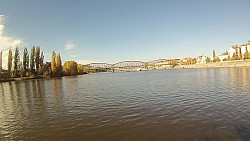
(134,65)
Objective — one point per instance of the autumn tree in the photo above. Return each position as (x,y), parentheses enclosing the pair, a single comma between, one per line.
(194,61)
(25,60)
(217,59)
(189,61)
(41,59)
(70,68)
(9,63)
(32,60)
(247,54)
(37,58)
(80,68)
(53,63)
(22,72)
(47,69)
(208,60)
(58,65)
(16,67)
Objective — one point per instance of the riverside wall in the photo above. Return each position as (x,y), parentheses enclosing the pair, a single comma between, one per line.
(224,64)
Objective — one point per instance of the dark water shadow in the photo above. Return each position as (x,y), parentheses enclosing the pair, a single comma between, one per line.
(243,131)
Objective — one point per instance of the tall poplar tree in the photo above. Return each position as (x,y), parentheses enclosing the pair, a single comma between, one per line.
(53,63)
(41,62)
(32,61)
(58,65)
(9,63)
(16,62)
(25,60)
(37,58)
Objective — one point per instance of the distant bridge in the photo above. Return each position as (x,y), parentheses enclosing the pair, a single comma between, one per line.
(134,65)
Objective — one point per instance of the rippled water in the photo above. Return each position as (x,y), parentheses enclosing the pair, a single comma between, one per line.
(195,104)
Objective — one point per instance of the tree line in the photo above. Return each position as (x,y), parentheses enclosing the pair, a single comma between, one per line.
(32,65)
(25,66)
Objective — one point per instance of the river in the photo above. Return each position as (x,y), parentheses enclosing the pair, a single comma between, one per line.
(182,104)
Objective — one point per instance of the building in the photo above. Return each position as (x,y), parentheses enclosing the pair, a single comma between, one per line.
(239,50)
(223,57)
(201,59)
(232,51)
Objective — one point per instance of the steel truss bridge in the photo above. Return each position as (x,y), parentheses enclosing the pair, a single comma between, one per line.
(134,65)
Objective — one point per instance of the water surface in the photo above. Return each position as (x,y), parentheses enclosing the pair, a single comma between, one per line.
(195,104)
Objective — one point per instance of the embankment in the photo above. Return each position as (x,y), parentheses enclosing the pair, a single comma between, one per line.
(224,64)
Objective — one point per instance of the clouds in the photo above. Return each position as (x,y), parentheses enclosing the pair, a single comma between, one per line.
(1,25)
(69,46)
(6,41)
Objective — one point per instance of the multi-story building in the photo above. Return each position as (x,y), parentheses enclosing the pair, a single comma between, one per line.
(223,57)
(201,59)
(232,51)
(239,50)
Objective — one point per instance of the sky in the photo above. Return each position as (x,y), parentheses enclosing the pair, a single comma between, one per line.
(117,30)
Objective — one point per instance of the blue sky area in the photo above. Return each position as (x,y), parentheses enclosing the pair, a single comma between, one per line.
(116,30)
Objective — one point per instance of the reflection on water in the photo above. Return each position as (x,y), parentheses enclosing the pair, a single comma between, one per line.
(195,104)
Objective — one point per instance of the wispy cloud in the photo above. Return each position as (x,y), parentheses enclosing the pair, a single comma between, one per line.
(69,46)
(84,62)
(6,41)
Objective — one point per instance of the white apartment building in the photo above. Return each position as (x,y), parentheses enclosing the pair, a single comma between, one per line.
(231,51)
(201,59)
(223,57)
(239,50)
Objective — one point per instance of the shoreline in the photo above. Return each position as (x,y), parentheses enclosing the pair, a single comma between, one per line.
(29,78)
(224,64)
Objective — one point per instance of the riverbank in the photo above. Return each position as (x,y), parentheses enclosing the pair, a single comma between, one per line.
(224,64)
(21,79)
(35,77)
